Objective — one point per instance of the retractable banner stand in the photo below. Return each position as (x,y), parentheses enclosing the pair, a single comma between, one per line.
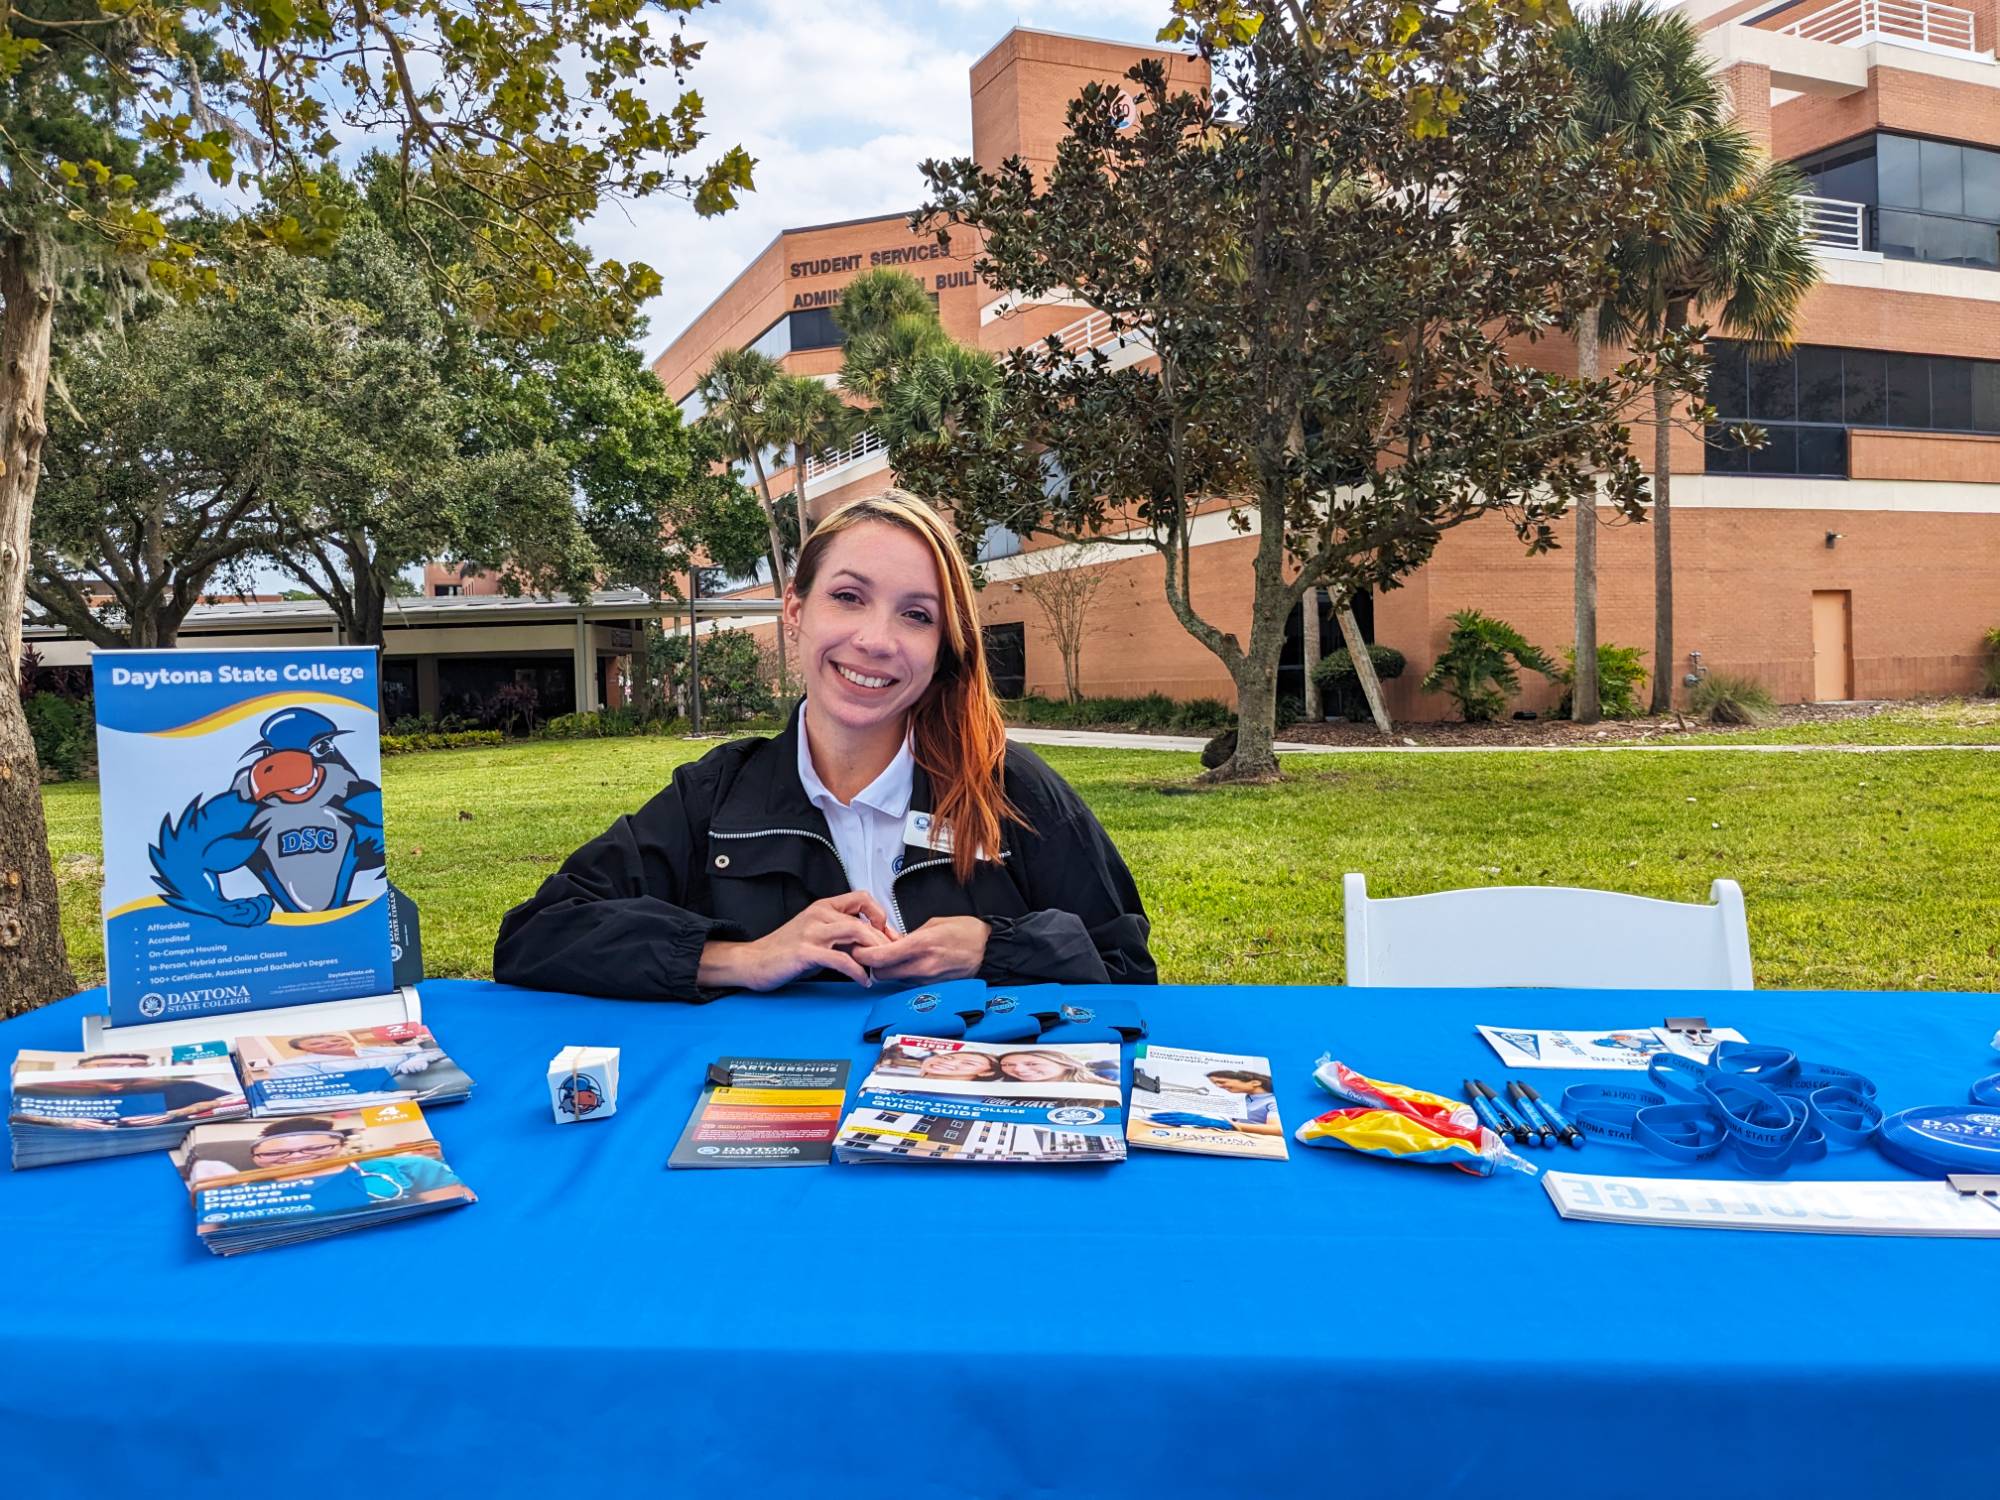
(244,859)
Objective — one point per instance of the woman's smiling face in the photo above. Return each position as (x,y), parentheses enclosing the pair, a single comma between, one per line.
(869,632)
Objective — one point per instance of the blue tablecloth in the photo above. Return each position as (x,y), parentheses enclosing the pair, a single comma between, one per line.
(1173,1326)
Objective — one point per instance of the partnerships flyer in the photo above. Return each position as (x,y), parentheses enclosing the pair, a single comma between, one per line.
(243,844)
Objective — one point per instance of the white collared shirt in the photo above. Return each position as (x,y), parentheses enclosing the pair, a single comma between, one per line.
(868,831)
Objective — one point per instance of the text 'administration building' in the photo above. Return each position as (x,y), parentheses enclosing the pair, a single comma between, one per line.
(1857,555)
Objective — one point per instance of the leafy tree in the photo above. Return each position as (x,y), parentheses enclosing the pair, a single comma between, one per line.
(1729,234)
(534,110)
(1480,667)
(157,462)
(807,415)
(1338,256)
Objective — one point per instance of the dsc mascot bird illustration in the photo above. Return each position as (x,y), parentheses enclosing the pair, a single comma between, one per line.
(299,818)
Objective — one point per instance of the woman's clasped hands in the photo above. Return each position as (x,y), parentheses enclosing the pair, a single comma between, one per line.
(850,935)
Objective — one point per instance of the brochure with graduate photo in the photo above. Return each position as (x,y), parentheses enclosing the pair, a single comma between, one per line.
(1212,1103)
(244,855)
(77,1106)
(1082,1071)
(930,1099)
(278,1182)
(313,1071)
(765,1112)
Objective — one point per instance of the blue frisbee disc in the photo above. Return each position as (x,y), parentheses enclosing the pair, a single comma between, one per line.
(1940,1139)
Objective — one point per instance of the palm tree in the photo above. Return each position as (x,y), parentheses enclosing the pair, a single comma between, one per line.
(876,355)
(808,415)
(735,392)
(1734,243)
(1638,86)
(1728,232)
(944,390)
(875,299)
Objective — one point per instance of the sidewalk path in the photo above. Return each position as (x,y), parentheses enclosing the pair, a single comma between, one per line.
(1106,740)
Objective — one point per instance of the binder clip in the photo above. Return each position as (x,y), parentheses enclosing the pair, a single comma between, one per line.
(1694,1028)
(1144,1081)
(721,1076)
(1975,1185)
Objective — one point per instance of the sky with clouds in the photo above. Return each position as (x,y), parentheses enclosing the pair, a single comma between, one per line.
(839,100)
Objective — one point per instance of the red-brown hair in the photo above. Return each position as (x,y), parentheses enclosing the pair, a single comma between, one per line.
(956,731)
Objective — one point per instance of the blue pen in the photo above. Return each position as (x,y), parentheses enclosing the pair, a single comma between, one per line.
(1508,1123)
(1484,1110)
(1571,1136)
(1518,1093)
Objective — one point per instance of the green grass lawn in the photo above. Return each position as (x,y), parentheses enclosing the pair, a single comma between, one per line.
(1860,871)
(1946,721)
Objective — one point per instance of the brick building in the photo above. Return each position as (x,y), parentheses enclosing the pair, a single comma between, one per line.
(1856,556)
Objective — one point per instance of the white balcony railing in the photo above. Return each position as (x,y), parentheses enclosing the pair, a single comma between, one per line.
(1834,223)
(1920,23)
(833,459)
(1093,331)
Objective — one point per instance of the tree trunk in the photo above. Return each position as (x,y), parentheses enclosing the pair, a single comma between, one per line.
(1309,654)
(779,581)
(1364,668)
(799,490)
(34,964)
(1256,713)
(1584,705)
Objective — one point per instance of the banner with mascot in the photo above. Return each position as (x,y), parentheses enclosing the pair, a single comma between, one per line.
(244,858)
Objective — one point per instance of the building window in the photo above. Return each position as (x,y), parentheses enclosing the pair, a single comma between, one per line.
(813,328)
(1007,659)
(1807,401)
(998,542)
(447,590)
(1924,200)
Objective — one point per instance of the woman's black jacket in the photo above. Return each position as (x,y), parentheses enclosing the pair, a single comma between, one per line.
(733,850)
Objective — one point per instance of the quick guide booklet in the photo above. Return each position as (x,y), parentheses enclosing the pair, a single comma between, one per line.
(260,1183)
(937,1099)
(77,1106)
(243,847)
(765,1112)
(313,1071)
(1212,1103)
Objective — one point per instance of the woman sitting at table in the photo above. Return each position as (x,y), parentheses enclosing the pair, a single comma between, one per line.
(890,833)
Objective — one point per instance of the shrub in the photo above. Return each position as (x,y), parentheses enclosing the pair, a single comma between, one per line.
(1342,688)
(605,724)
(1992,639)
(1478,668)
(735,678)
(441,739)
(1724,698)
(1155,713)
(1621,673)
(513,703)
(63,730)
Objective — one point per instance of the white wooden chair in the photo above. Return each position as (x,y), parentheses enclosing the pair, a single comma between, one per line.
(1547,936)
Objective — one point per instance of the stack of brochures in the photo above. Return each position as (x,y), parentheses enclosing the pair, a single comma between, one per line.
(260,1183)
(937,1099)
(315,1071)
(75,1106)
